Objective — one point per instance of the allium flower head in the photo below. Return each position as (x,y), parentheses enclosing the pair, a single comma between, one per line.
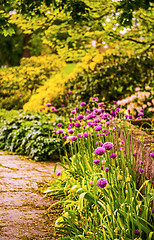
(102,182)
(100,151)
(80,117)
(48,104)
(136,232)
(82,104)
(59,131)
(96,161)
(141,170)
(108,145)
(113,155)
(59,125)
(53,109)
(98,128)
(19,95)
(152,154)
(73,111)
(71,138)
(58,173)
(86,134)
(71,131)
(106,169)
(77,124)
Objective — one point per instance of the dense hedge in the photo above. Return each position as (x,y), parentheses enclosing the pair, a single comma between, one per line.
(19,83)
(110,77)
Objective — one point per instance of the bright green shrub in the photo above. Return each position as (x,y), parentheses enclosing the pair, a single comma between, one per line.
(110,77)
(19,83)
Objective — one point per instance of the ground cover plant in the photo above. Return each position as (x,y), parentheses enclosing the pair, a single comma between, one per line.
(97,186)
(32,134)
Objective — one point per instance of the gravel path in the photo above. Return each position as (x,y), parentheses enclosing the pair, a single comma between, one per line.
(22,208)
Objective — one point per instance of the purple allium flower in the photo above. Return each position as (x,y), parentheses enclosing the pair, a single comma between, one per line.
(141,162)
(65,136)
(118,109)
(98,128)
(100,151)
(152,154)
(59,125)
(113,155)
(71,124)
(82,104)
(121,142)
(108,145)
(20,95)
(142,110)
(100,104)
(141,170)
(79,135)
(73,111)
(58,173)
(77,124)
(71,131)
(112,113)
(96,161)
(102,182)
(70,92)
(63,105)
(65,97)
(73,138)
(88,111)
(59,131)
(134,154)
(140,114)
(115,102)
(136,232)
(130,116)
(53,109)
(106,169)
(48,104)
(80,117)
(109,107)
(102,167)
(107,124)
(87,134)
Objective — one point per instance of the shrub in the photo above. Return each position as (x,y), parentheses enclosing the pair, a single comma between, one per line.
(32,134)
(110,77)
(19,83)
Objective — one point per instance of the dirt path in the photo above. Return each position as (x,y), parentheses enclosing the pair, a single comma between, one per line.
(22,208)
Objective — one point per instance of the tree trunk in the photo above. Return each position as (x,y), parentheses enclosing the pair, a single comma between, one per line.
(26,51)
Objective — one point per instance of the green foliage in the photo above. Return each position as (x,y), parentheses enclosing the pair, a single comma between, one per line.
(19,83)
(110,77)
(118,210)
(33,135)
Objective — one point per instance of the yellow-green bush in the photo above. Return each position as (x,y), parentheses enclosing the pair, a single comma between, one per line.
(46,94)
(19,83)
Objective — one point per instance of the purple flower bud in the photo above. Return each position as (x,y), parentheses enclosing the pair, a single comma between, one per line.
(87,134)
(98,128)
(53,109)
(106,169)
(63,105)
(152,154)
(96,161)
(136,232)
(59,131)
(20,95)
(73,111)
(77,124)
(82,104)
(102,167)
(65,136)
(113,155)
(59,125)
(134,154)
(100,151)
(141,170)
(102,182)
(48,104)
(141,162)
(58,173)
(80,117)
(108,145)
(71,131)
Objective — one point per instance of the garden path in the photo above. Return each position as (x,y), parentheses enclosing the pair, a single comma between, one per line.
(22,207)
